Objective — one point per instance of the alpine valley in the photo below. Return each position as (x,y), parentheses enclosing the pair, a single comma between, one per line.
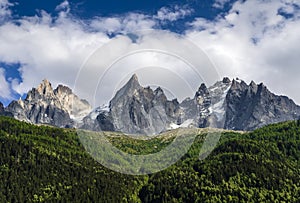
(228,104)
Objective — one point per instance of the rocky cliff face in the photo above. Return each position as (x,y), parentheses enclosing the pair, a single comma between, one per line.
(252,106)
(136,109)
(3,111)
(207,108)
(43,105)
(141,110)
(226,104)
(77,108)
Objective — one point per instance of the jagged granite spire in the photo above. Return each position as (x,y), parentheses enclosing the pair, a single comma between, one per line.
(43,105)
(252,106)
(229,104)
(3,111)
(133,83)
(128,89)
(45,88)
(138,110)
(226,80)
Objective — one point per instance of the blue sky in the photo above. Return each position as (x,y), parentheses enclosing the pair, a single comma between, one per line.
(250,39)
(91,8)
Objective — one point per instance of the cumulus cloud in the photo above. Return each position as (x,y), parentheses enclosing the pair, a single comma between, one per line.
(158,57)
(5,92)
(256,40)
(129,23)
(58,48)
(173,13)
(46,48)
(64,6)
(4,9)
(220,3)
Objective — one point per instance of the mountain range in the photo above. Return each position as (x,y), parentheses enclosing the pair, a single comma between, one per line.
(228,104)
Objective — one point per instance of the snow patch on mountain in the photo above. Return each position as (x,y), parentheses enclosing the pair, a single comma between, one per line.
(186,124)
(218,108)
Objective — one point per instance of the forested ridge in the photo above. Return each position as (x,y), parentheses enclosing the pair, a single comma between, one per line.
(47,164)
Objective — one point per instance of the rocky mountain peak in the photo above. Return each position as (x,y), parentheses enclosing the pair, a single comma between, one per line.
(3,111)
(137,109)
(158,90)
(159,94)
(43,91)
(1,108)
(132,87)
(141,110)
(133,82)
(134,77)
(226,80)
(77,108)
(262,89)
(238,84)
(253,86)
(61,89)
(59,107)
(202,90)
(252,83)
(45,88)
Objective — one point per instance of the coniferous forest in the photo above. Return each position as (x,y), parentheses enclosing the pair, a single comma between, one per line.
(47,164)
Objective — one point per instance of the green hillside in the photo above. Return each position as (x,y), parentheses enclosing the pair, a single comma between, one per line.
(46,164)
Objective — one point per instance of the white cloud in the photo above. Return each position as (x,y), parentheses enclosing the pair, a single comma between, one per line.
(63,6)
(253,41)
(59,48)
(4,10)
(172,13)
(158,57)
(5,92)
(122,24)
(56,49)
(220,3)
(108,25)
(46,49)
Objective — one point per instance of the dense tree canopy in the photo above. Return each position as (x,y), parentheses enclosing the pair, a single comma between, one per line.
(47,164)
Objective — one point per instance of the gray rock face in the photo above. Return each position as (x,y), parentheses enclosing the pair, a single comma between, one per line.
(1,108)
(252,106)
(207,106)
(104,122)
(3,111)
(236,105)
(43,105)
(77,108)
(226,104)
(139,110)
(98,120)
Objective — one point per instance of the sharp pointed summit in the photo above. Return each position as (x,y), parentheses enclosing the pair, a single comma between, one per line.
(229,104)
(45,88)
(136,109)
(133,82)
(44,105)
(134,77)
(226,80)
(129,88)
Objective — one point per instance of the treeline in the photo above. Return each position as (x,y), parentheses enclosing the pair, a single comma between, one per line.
(46,164)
